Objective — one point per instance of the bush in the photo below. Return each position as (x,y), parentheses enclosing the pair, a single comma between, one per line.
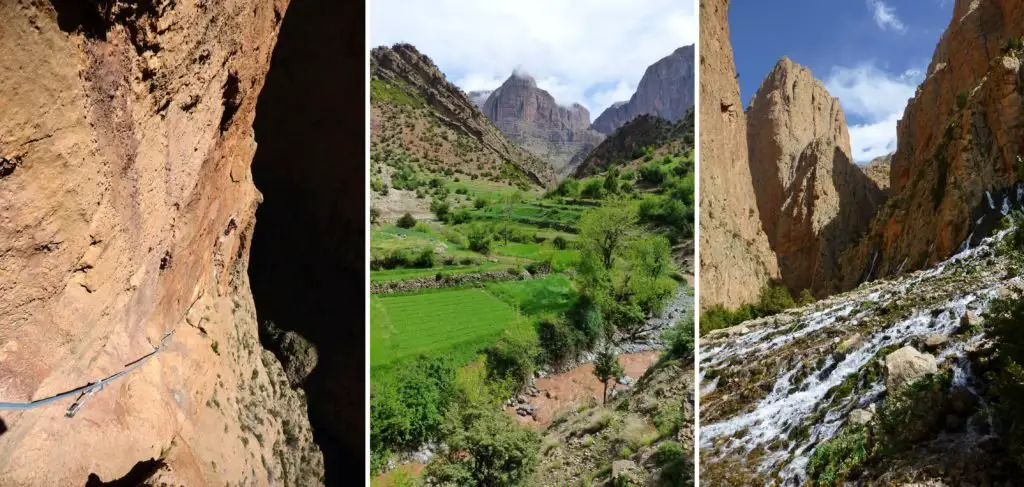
(585,317)
(593,189)
(806,298)
(406,221)
(569,187)
(560,242)
(912,413)
(440,207)
(774,300)
(374,216)
(485,447)
(479,239)
(679,338)
(407,408)
(1002,322)
(479,202)
(674,464)
(832,460)
(511,361)
(426,259)
(558,340)
(652,174)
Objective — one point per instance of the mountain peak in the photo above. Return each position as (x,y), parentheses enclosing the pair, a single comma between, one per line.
(666,90)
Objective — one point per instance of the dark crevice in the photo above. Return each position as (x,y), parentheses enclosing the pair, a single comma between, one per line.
(231,101)
(307,264)
(3,427)
(88,17)
(138,475)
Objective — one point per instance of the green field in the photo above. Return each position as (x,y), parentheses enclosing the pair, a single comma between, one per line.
(462,320)
(560,259)
(552,294)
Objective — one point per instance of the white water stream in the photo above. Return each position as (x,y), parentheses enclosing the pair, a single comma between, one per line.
(779,434)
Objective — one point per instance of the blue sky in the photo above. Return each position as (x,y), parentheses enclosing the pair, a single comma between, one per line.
(871,54)
(591,52)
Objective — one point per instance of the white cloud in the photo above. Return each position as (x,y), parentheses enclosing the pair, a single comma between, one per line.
(876,98)
(885,16)
(569,46)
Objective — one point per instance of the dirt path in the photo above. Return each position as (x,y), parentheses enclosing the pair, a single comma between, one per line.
(576,386)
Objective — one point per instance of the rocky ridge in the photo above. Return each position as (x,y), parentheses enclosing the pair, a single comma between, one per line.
(735,258)
(959,141)
(413,92)
(813,200)
(128,205)
(645,131)
(530,116)
(665,90)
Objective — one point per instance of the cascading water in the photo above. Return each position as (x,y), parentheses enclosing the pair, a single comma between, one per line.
(773,389)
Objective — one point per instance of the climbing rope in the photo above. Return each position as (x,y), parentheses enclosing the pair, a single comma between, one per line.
(85,392)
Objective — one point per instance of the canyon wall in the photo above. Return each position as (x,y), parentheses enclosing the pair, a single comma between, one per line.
(961,136)
(735,259)
(127,209)
(813,200)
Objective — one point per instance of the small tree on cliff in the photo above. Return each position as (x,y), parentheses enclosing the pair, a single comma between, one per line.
(607,367)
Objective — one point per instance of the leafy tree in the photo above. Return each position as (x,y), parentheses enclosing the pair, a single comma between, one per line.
(607,367)
(408,407)
(611,181)
(484,447)
(1002,322)
(440,207)
(569,187)
(406,221)
(605,229)
(479,237)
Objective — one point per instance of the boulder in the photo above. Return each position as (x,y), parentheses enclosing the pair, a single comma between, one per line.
(623,472)
(905,365)
(935,342)
(860,416)
(298,356)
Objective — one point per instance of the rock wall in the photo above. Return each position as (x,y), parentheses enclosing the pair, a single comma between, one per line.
(735,259)
(665,90)
(127,209)
(531,117)
(813,200)
(960,137)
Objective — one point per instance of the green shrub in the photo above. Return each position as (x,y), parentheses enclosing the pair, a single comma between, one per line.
(652,174)
(560,242)
(593,189)
(1002,322)
(679,338)
(374,216)
(406,221)
(511,361)
(484,447)
(407,407)
(440,207)
(479,239)
(912,413)
(479,202)
(806,298)
(426,259)
(558,340)
(774,300)
(832,460)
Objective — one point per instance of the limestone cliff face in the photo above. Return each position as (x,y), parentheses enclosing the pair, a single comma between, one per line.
(666,91)
(127,211)
(813,200)
(531,117)
(961,136)
(735,259)
(878,171)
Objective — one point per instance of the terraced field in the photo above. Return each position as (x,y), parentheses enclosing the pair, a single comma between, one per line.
(434,322)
